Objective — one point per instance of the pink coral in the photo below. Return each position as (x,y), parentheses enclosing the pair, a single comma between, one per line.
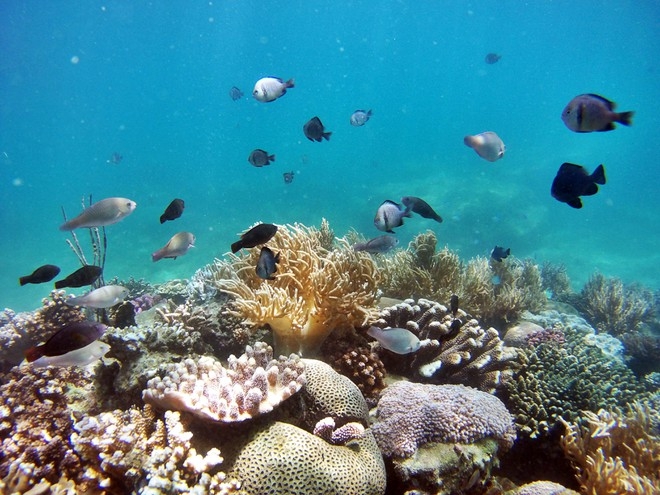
(546,336)
(412,414)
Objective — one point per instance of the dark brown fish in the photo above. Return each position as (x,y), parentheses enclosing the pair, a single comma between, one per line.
(86,275)
(314,130)
(257,235)
(492,58)
(260,158)
(453,304)
(421,207)
(173,211)
(69,338)
(44,273)
(267,263)
(288,177)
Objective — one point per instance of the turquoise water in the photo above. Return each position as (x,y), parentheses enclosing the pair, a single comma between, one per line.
(81,80)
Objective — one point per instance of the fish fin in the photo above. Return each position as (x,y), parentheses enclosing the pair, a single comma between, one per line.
(590,190)
(608,127)
(277,258)
(437,218)
(290,83)
(508,251)
(599,175)
(162,218)
(625,118)
(271,158)
(575,203)
(369,113)
(390,231)
(34,353)
(60,284)
(236,247)
(610,104)
(326,135)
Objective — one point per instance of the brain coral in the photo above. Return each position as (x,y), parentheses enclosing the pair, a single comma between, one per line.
(286,460)
(250,385)
(412,414)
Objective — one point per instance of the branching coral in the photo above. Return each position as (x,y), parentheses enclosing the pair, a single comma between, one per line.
(615,453)
(315,290)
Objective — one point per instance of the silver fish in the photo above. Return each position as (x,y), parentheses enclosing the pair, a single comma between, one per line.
(102,213)
(178,245)
(78,357)
(380,244)
(590,112)
(360,117)
(269,89)
(103,297)
(488,145)
(398,340)
(389,216)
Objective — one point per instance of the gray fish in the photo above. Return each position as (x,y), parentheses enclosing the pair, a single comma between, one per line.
(314,130)
(103,297)
(360,117)
(421,207)
(267,263)
(389,216)
(380,244)
(260,158)
(78,357)
(590,112)
(269,89)
(44,273)
(488,145)
(398,340)
(178,245)
(492,58)
(102,213)
(288,177)
(235,93)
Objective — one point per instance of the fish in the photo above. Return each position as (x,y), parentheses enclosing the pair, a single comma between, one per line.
(178,245)
(492,58)
(590,112)
(44,273)
(259,234)
(269,89)
(288,177)
(173,211)
(68,338)
(314,130)
(115,158)
(79,357)
(260,158)
(267,263)
(499,253)
(421,207)
(380,244)
(389,216)
(101,298)
(453,304)
(397,340)
(454,327)
(102,213)
(235,93)
(360,117)
(488,145)
(86,275)
(573,181)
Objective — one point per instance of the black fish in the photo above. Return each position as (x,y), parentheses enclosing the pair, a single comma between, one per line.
(499,253)
(86,275)
(44,273)
(260,158)
(421,207)
(288,177)
(454,327)
(267,263)
(492,58)
(69,338)
(573,181)
(314,130)
(453,304)
(259,234)
(235,93)
(173,211)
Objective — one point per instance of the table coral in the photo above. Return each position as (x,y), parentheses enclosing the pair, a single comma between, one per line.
(250,385)
(315,290)
(412,414)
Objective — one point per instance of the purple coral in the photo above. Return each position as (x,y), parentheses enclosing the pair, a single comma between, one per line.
(412,414)
(546,336)
(145,302)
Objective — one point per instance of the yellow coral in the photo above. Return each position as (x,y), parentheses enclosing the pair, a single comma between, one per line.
(314,292)
(615,454)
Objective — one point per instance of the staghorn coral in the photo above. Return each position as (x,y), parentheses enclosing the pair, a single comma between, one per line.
(614,453)
(315,290)
(555,279)
(250,385)
(470,356)
(614,308)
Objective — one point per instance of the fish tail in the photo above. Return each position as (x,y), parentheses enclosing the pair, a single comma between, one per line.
(60,284)
(156,256)
(236,247)
(162,218)
(599,174)
(327,135)
(625,118)
(290,83)
(271,158)
(24,280)
(34,353)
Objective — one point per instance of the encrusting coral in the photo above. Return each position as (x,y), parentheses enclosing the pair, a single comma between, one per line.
(250,385)
(315,291)
(615,453)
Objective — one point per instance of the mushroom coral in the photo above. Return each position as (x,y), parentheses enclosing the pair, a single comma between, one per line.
(314,292)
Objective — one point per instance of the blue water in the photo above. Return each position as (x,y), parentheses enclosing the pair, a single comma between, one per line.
(81,80)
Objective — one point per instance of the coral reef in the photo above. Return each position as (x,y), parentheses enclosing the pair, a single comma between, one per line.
(546,336)
(541,488)
(469,356)
(615,453)
(250,385)
(315,290)
(642,352)
(283,459)
(612,307)
(492,292)
(555,280)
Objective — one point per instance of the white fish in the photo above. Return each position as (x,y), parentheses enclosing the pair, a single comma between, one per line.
(360,117)
(390,215)
(80,357)
(102,213)
(488,145)
(270,88)
(398,340)
(103,297)
(178,245)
